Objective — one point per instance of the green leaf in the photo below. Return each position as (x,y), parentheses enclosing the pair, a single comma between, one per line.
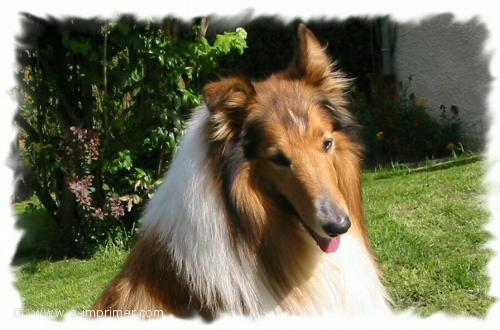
(231,40)
(136,90)
(136,75)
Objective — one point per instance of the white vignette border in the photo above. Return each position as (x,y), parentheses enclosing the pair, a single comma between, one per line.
(399,10)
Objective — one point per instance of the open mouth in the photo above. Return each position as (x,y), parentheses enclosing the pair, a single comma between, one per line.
(326,244)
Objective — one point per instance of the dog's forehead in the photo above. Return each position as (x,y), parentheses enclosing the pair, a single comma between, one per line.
(290,104)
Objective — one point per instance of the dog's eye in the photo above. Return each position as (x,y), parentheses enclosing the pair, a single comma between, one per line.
(280,160)
(328,144)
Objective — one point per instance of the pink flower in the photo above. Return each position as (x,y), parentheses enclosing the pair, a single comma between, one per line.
(93,147)
(99,214)
(116,208)
(81,189)
(90,141)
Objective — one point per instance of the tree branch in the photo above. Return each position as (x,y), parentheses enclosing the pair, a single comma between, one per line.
(23,124)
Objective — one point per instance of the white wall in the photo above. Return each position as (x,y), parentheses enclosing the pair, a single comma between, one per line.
(448,66)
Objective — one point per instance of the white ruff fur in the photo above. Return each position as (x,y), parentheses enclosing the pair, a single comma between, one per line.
(187,212)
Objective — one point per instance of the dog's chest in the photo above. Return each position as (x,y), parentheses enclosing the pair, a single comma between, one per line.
(344,282)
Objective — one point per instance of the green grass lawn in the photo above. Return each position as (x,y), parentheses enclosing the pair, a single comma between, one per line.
(426,228)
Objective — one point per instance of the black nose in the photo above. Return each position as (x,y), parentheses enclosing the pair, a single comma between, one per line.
(339,227)
(334,220)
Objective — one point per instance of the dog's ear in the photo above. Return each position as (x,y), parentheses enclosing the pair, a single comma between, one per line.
(227,101)
(311,62)
(312,65)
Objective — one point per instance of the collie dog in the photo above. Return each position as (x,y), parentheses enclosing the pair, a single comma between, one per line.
(261,209)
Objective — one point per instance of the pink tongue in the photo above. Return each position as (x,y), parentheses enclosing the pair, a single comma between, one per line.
(327,245)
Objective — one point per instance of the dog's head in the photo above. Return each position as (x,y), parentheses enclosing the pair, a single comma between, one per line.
(293,133)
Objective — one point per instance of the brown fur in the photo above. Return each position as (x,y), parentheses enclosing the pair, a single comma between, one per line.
(149,282)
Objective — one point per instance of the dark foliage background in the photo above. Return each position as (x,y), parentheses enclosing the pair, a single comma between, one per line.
(103,106)
(354,43)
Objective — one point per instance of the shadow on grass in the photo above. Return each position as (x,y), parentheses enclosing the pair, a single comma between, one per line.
(40,235)
(44,240)
(427,166)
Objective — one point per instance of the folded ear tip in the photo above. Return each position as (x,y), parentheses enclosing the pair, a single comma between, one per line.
(209,94)
(218,92)
(246,84)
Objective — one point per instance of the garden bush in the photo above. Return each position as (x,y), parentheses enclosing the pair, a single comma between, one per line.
(103,106)
(397,126)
